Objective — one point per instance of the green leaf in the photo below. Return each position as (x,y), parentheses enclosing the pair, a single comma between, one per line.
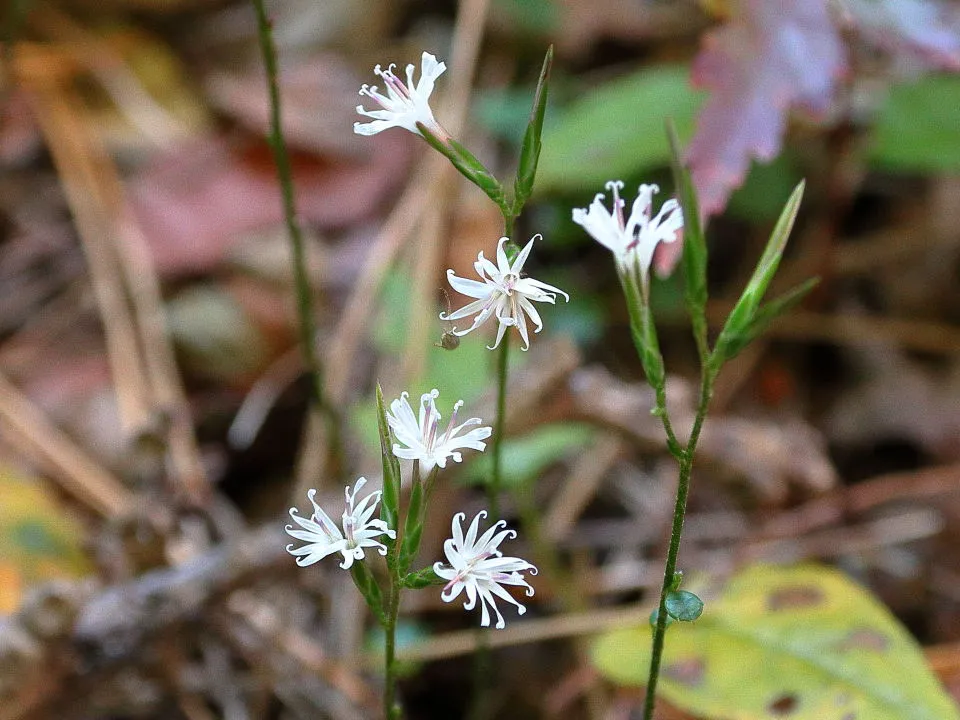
(742,316)
(390,499)
(694,246)
(758,199)
(530,149)
(766,314)
(468,166)
(918,127)
(804,643)
(615,131)
(683,605)
(525,458)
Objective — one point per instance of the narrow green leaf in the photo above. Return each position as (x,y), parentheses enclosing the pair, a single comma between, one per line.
(742,316)
(530,149)
(683,605)
(766,314)
(390,499)
(694,245)
(468,166)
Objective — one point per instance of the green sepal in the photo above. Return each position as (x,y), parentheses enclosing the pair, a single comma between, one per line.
(766,314)
(683,605)
(390,498)
(416,512)
(643,330)
(468,166)
(421,579)
(530,149)
(742,316)
(367,585)
(694,246)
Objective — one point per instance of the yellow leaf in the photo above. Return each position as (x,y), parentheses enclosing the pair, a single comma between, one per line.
(802,643)
(38,540)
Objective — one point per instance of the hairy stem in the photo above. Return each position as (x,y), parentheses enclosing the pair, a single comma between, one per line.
(301,276)
(679,511)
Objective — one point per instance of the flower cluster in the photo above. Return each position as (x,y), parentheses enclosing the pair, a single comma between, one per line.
(503,294)
(419,437)
(632,241)
(478,568)
(323,537)
(404,105)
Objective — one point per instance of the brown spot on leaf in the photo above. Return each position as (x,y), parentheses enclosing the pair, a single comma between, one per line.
(686,672)
(784,705)
(794,596)
(865,639)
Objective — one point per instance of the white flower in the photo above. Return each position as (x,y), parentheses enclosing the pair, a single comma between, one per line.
(477,566)
(502,293)
(324,538)
(635,240)
(419,435)
(403,105)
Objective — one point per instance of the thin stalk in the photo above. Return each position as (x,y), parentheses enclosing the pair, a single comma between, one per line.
(496,479)
(301,276)
(391,710)
(679,511)
(634,300)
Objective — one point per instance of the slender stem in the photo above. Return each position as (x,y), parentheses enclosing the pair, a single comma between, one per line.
(496,480)
(679,511)
(391,710)
(300,274)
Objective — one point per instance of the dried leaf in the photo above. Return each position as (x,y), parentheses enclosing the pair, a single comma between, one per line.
(771,55)
(927,31)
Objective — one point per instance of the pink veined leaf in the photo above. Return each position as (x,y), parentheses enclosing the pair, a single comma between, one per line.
(927,31)
(770,56)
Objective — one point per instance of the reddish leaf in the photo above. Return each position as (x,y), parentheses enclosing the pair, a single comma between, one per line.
(197,203)
(771,55)
(927,31)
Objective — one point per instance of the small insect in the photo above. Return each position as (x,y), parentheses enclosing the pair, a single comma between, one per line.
(449,340)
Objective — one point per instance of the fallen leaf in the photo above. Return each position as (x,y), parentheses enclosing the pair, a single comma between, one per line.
(772,55)
(804,643)
(38,541)
(927,31)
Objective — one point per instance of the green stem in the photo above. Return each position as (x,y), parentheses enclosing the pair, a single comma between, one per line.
(679,511)
(301,276)
(496,480)
(391,709)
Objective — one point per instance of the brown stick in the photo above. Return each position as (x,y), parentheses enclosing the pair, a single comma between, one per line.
(78,473)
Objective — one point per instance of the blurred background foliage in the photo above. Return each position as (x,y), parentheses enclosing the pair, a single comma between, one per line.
(153,406)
